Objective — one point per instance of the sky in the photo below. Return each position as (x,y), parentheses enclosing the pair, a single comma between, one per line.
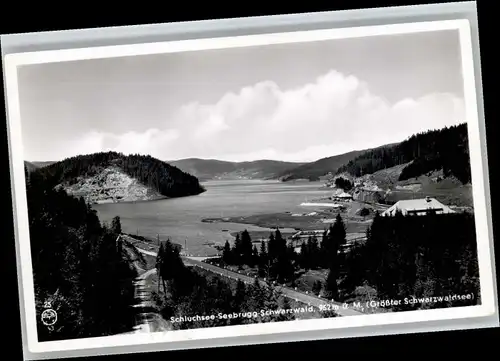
(290,102)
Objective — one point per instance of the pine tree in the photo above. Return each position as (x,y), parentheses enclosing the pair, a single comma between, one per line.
(326,247)
(272,248)
(246,247)
(240,295)
(227,254)
(255,257)
(237,250)
(280,242)
(285,305)
(160,258)
(331,284)
(313,252)
(339,230)
(336,238)
(263,251)
(317,286)
(116,225)
(304,258)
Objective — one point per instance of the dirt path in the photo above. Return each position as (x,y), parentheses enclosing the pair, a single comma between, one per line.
(147,321)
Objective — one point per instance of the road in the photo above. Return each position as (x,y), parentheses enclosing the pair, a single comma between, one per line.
(148,321)
(286,291)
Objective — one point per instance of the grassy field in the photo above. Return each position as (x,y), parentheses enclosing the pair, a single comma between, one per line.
(306,279)
(150,261)
(447,190)
(457,196)
(321,220)
(282,220)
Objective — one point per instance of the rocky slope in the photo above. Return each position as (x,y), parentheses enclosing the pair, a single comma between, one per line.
(115,177)
(384,186)
(434,163)
(111,185)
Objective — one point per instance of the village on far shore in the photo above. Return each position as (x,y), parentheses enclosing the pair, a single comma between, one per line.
(357,200)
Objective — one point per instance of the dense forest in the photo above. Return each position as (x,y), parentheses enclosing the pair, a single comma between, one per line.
(343,183)
(168,180)
(403,256)
(416,256)
(444,149)
(79,268)
(277,261)
(185,292)
(314,170)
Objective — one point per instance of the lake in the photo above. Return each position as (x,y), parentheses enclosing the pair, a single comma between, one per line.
(180,218)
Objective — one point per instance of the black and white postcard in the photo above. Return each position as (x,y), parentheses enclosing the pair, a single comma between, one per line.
(248,185)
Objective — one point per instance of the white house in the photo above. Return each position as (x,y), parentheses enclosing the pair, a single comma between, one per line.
(344,196)
(418,207)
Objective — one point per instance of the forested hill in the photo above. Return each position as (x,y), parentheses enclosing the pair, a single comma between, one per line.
(120,177)
(30,166)
(313,171)
(445,149)
(39,164)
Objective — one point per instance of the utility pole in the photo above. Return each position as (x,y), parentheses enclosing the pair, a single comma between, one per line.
(161,261)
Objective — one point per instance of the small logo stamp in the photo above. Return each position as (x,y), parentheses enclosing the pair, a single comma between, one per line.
(49,316)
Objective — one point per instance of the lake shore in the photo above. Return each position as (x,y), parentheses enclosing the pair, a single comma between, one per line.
(144,199)
(203,223)
(315,220)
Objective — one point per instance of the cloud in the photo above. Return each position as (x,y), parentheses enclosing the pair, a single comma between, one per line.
(151,141)
(334,114)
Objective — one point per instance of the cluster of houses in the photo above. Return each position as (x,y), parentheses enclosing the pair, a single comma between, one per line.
(415,207)
(406,207)
(302,236)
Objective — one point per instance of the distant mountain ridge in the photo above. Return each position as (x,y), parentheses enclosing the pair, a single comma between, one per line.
(33,166)
(314,170)
(30,167)
(114,177)
(40,164)
(209,169)
(445,150)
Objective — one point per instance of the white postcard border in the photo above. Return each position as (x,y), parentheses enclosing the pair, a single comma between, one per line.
(13,61)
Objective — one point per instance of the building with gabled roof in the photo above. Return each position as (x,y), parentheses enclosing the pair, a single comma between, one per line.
(418,207)
(342,196)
